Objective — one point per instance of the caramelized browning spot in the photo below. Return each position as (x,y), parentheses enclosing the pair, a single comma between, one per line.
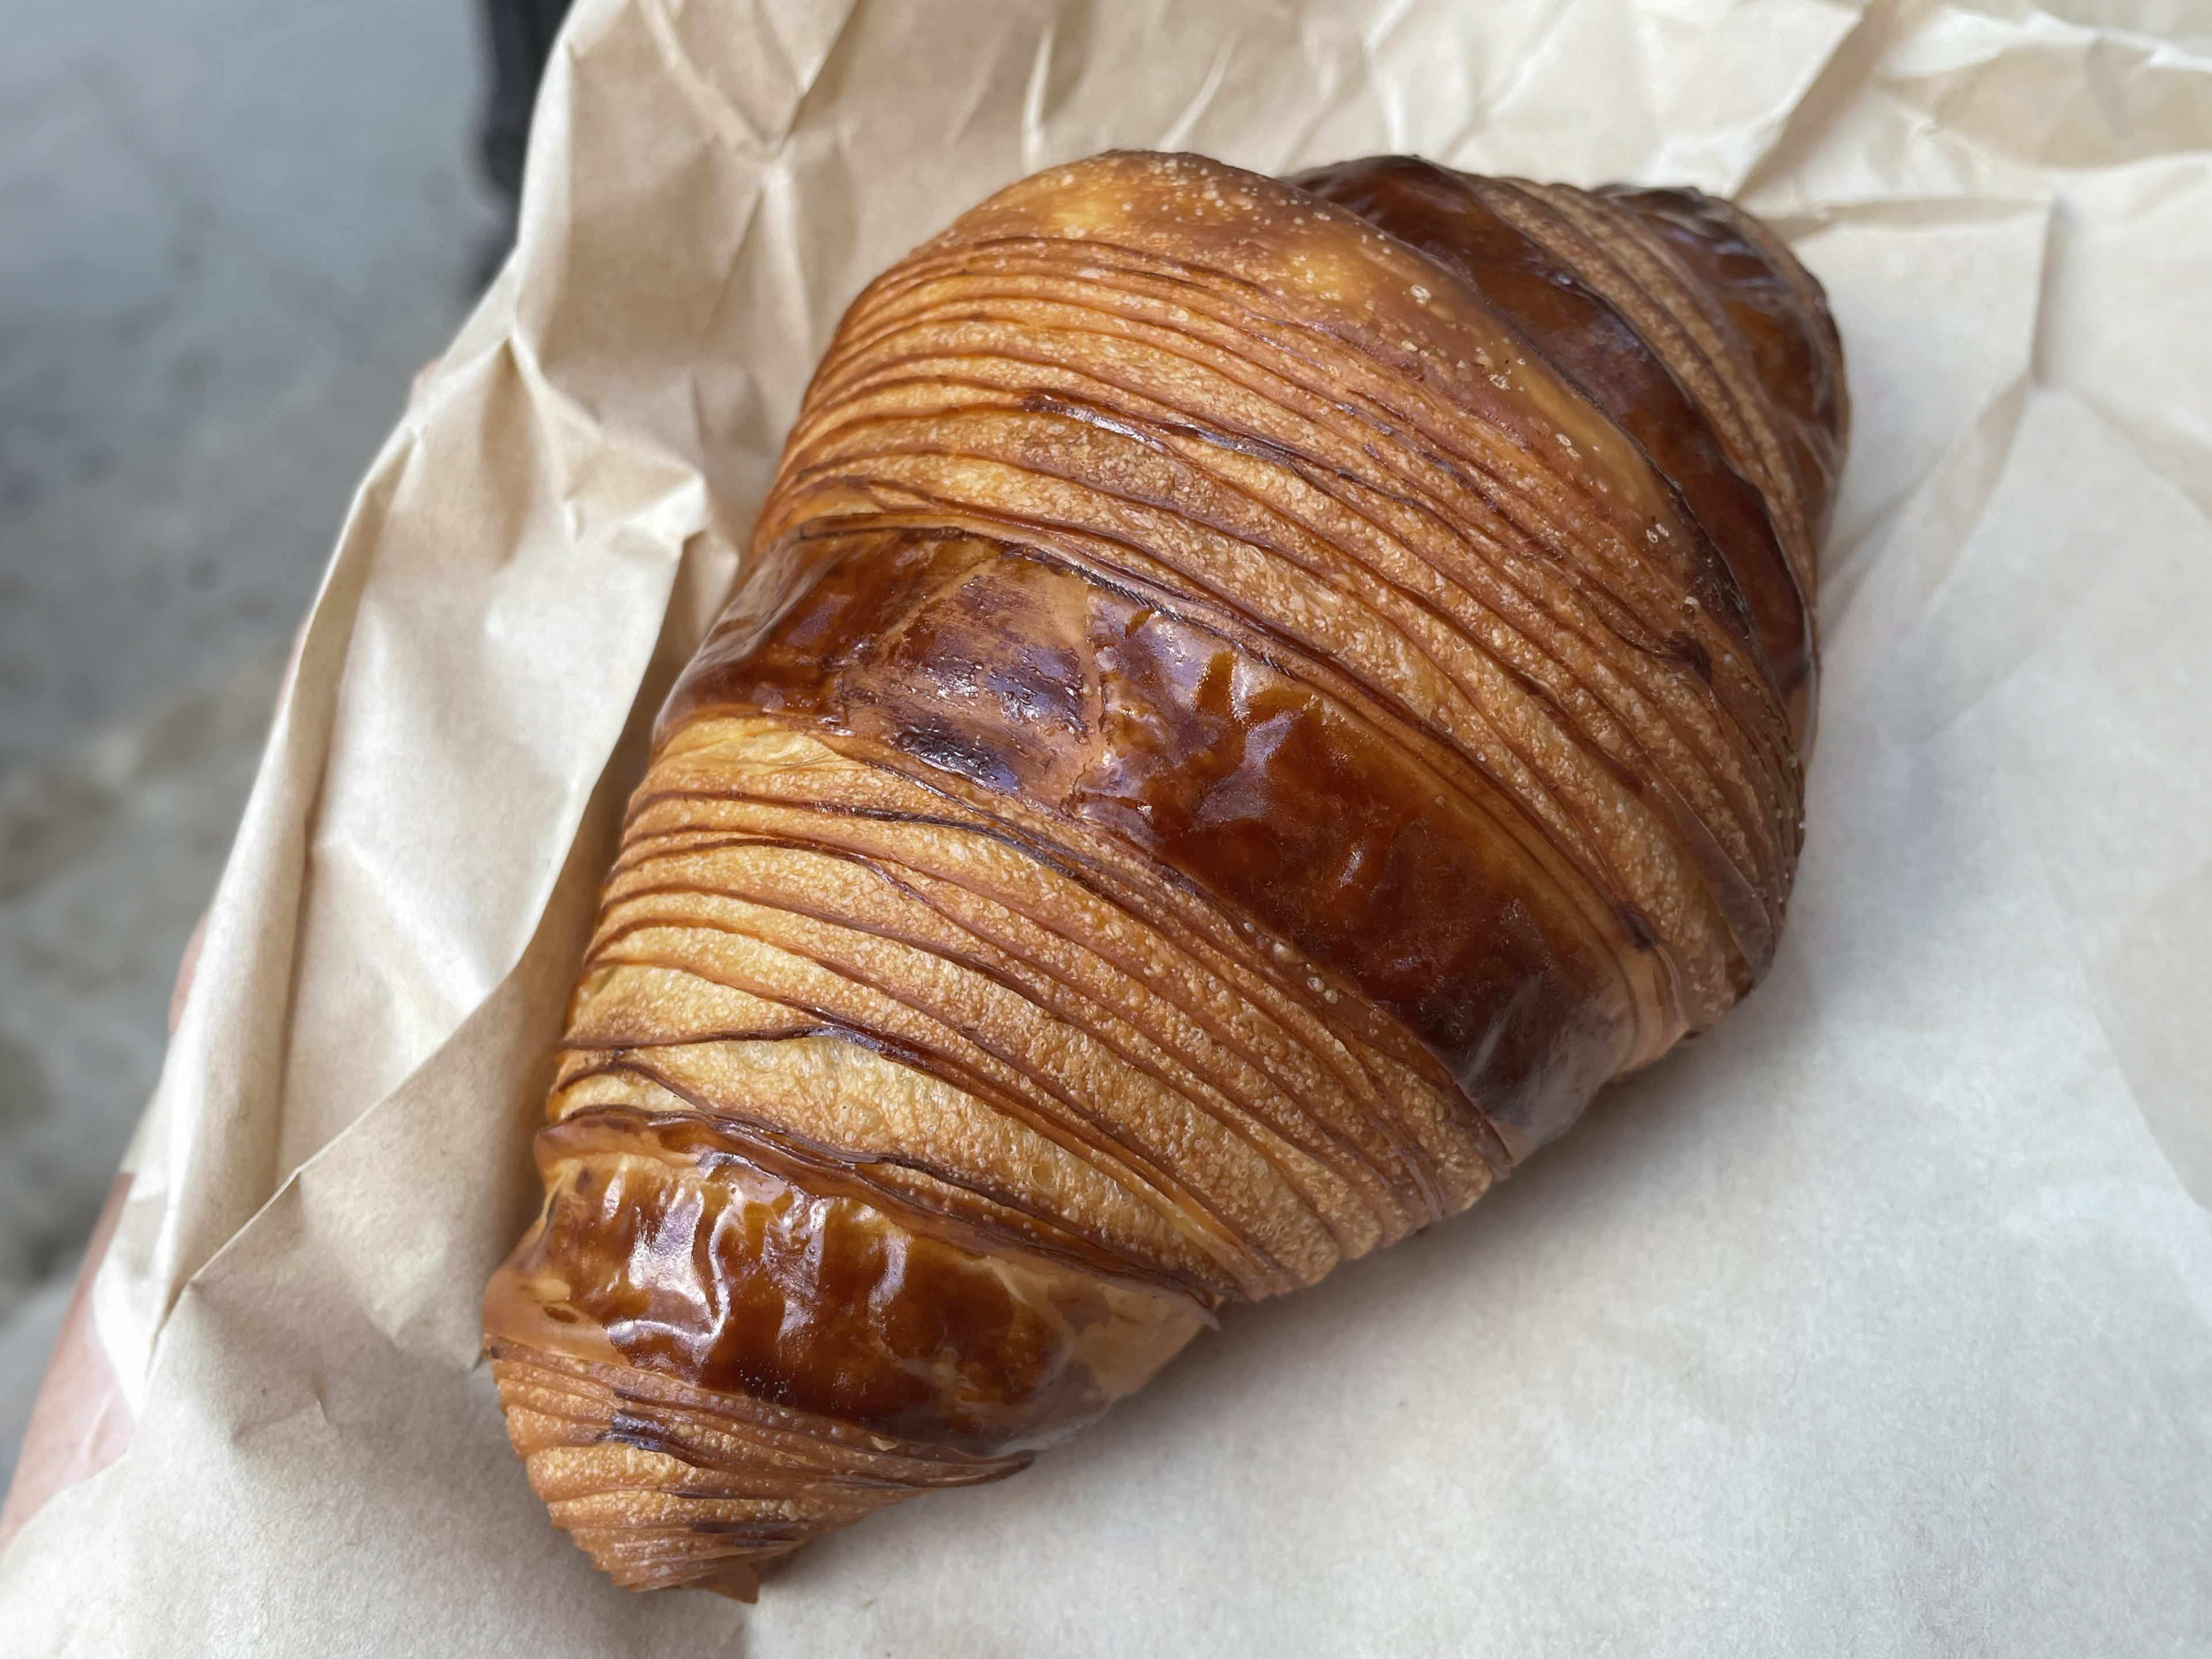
(1277,801)
(744,1283)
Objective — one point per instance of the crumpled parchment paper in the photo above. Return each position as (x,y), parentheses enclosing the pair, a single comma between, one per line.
(1879,1320)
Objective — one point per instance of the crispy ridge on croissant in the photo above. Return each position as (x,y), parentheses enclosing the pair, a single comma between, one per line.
(1249,703)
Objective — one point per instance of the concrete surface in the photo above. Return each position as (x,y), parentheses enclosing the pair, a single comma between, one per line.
(230,231)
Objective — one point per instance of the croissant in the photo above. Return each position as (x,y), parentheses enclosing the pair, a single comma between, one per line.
(1250,701)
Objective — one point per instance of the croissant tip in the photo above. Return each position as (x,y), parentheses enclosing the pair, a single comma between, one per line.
(740,1581)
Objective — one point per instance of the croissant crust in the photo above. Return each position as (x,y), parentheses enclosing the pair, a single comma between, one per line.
(1251,700)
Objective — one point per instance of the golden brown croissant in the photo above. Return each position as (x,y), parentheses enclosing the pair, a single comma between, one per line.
(1251,700)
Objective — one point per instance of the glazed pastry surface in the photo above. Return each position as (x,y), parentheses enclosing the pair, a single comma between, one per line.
(1251,700)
